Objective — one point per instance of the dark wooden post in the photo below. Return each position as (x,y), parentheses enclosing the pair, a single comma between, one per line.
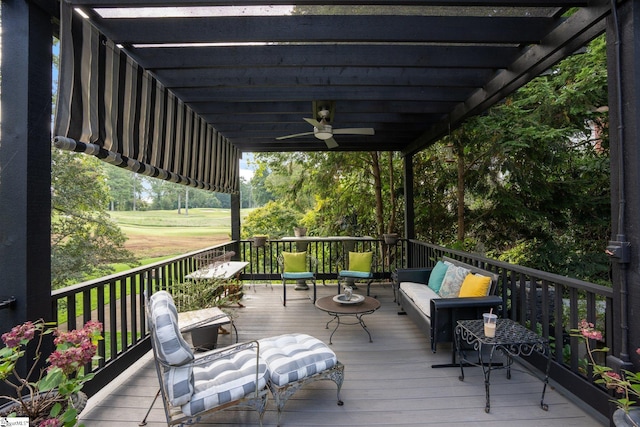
(409,214)
(25,163)
(624,104)
(235,222)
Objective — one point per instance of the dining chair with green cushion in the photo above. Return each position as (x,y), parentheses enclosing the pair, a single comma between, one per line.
(298,266)
(359,267)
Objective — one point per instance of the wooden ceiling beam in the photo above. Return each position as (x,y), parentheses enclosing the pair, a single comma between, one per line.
(328,29)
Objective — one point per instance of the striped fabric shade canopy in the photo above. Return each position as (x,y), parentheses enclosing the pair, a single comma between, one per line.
(110,107)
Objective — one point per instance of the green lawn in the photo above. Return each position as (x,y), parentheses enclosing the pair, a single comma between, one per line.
(218,219)
(157,235)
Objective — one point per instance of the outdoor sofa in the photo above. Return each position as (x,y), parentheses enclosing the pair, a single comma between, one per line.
(435,298)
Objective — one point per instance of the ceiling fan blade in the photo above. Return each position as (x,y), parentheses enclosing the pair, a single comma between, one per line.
(295,135)
(331,143)
(354,131)
(313,122)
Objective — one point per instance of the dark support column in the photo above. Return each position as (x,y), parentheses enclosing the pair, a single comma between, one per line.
(235,221)
(25,163)
(624,105)
(409,214)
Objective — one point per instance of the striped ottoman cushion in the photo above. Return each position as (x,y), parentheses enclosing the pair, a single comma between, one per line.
(292,357)
(225,379)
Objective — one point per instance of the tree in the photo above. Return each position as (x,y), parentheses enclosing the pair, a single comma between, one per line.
(338,192)
(84,239)
(274,219)
(535,177)
(121,187)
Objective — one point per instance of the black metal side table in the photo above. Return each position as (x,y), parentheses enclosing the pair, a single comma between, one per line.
(512,339)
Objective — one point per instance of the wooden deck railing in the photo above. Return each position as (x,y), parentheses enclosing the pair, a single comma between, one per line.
(544,302)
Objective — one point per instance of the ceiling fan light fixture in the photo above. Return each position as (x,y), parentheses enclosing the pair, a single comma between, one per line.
(323,133)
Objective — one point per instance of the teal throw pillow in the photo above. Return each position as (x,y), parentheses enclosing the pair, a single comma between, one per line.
(437,275)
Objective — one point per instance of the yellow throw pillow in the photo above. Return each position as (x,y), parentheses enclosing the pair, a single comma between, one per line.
(295,262)
(360,261)
(475,285)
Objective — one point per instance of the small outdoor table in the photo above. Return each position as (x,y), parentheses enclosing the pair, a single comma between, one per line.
(337,310)
(223,270)
(512,339)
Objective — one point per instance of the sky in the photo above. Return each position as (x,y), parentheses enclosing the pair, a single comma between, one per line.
(246,171)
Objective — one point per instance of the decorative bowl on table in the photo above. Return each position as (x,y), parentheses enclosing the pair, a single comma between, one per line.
(343,299)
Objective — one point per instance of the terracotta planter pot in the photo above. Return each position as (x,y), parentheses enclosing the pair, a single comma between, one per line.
(391,238)
(259,241)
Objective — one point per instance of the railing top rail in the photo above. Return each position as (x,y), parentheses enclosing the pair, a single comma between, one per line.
(74,289)
(543,275)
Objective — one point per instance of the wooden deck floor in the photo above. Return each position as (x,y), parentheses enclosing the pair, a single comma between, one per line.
(389,382)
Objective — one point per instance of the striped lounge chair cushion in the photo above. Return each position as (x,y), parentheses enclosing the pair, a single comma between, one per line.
(171,348)
(224,379)
(293,357)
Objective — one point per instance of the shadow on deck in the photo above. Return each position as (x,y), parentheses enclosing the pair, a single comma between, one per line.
(387,382)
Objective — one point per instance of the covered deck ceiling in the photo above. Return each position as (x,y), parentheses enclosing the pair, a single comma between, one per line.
(411,70)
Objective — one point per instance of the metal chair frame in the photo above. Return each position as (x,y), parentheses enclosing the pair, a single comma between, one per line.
(307,275)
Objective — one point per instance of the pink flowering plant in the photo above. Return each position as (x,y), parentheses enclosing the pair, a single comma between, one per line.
(51,400)
(625,384)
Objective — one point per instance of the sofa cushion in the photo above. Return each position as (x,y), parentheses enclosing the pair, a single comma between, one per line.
(292,357)
(475,285)
(437,275)
(295,262)
(225,379)
(452,281)
(420,294)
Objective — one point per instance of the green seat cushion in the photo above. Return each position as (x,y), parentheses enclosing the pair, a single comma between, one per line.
(437,275)
(295,262)
(360,261)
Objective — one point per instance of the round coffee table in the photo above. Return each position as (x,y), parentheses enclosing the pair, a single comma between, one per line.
(338,310)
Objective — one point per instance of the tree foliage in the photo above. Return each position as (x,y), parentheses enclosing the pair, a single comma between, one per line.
(338,193)
(536,174)
(84,239)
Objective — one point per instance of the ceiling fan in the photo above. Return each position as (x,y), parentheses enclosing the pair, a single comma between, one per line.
(324,131)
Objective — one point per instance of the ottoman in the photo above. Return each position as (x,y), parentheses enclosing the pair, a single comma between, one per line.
(294,360)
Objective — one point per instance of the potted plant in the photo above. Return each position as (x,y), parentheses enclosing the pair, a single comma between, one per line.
(390,238)
(626,385)
(55,398)
(259,240)
(205,293)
